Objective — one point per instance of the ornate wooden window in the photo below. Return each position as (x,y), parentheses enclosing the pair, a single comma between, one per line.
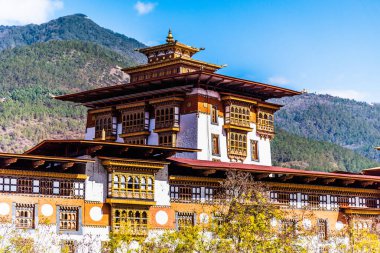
(133,220)
(68,218)
(214,114)
(166,117)
(215,144)
(105,122)
(284,198)
(372,202)
(239,115)
(345,201)
(127,185)
(138,140)
(184,219)
(265,121)
(44,186)
(322,229)
(211,194)
(134,120)
(254,150)
(334,202)
(182,193)
(237,145)
(167,139)
(24,216)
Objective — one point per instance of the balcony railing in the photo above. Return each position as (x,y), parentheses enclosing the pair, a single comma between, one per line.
(132,195)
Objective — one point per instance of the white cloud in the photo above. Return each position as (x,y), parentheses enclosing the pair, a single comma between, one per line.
(21,12)
(144,8)
(278,80)
(350,94)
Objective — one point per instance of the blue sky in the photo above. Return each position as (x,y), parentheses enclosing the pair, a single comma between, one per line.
(323,46)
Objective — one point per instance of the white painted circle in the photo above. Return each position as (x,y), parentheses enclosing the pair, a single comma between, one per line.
(203,218)
(4,209)
(96,213)
(47,210)
(339,225)
(162,217)
(273,222)
(306,223)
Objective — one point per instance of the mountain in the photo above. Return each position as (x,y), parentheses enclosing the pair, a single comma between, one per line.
(73,27)
(30,74)
(348,123)
(290,150)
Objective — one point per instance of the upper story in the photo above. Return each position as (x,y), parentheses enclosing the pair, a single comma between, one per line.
(175,100)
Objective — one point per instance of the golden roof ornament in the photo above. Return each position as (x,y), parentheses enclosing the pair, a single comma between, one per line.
(169,38)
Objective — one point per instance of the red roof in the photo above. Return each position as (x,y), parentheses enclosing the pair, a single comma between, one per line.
(203,164)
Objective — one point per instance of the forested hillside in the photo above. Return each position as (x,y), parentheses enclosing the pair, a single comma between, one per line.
(290,150)
(30,75)
(72,27)
(73,53)
(347,123)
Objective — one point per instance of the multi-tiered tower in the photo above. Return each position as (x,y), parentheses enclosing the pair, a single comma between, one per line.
(175,100)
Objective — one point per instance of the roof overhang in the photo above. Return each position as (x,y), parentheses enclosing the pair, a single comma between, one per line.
(108,95)
(283,174)
(75,148)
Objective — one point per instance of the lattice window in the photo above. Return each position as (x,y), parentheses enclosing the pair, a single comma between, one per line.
(125,185)
(24,216)
(304,200)
(166,117)
(214,114)
(166,139)
(372,202)
(134,121)
(284,198)
(184,220)
(8,184)
(334,202)
(130,219)
(46,187)
(215,144)
(104,122)
(210,194)
(139,140)
(25,185)
(265,121)
(196,194)
(254,150)
(345,201)
(237,145)
(322,229)
(68,218)
(239,115)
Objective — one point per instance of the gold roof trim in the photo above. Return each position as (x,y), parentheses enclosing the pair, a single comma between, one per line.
(239,99)
(130,202)
(363,210)
(131,105)
(109,109)
(42,174)
(167,99)
(142,133)
(196,179)
(109,161)
(229,126)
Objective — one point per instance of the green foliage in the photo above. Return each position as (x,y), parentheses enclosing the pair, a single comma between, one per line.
(72,27)
(347,123)
(30,75)
(290,150)
(65,65)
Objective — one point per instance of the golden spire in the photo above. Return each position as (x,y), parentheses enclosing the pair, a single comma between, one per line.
(169,38)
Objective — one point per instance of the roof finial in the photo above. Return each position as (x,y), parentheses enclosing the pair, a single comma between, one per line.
(170,38)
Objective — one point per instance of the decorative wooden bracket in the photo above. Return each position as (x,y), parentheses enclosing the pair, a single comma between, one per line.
(286,178)
(347,182)
(38,163)
(208,172)
(328,180)
(8,161)
(93,149)
(66,166)
(366,183)
(309,179)
(261,176)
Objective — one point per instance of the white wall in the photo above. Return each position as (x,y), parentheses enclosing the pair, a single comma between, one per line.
(96,182)
(90,133)
(162,188)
